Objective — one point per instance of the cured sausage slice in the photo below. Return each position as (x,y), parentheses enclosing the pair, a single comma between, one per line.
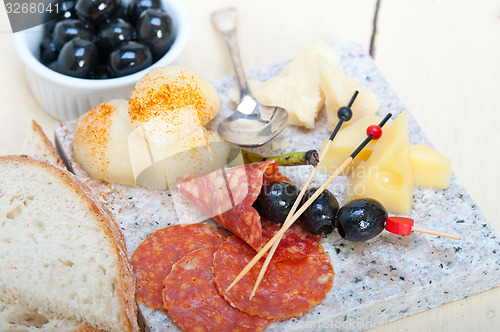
(296,243)
(227,196)
(289,288)
(154,257)
(193,302)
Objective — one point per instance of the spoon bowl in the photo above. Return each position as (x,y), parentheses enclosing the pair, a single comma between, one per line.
(252,124)
(256,128)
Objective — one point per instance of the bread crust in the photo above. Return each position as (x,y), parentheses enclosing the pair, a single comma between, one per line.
(108,225)
(49,148)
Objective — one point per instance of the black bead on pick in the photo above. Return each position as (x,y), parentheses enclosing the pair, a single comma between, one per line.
(344,114)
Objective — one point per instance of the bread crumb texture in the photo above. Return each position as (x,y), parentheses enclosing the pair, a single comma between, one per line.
(63,261)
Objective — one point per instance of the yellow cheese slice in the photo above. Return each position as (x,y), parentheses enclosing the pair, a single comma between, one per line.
(345,142)
(387,175)
(430,168)
(338,89)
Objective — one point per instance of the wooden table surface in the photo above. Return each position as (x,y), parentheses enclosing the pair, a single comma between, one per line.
(441,56)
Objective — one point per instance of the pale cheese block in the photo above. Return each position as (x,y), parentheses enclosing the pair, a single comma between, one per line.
(339,88)
(170,103)
(297,88)
(100,142)
(387,175)
(159,168)
(345,142)
(430,168)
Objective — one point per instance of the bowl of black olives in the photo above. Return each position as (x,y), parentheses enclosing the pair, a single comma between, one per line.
(92,51)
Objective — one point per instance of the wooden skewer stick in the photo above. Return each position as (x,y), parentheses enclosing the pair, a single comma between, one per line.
(404,226)
(433,232)
(344,114)
(303,208)
(290,222)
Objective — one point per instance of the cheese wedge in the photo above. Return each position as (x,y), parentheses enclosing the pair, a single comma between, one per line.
(297,88)
(202,152)
(387,175)
(100,143)
(345,143)
(338,89)
(430,168)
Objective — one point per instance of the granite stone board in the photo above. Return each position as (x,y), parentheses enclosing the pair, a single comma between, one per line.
(378,281)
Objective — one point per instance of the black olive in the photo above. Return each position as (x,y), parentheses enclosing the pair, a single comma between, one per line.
(48,51)
(112,34)
(122,13)
(129,58)
(77,58)
(276,200)
(61,9)
(136,7)
(66,8)
(66,30)
(53,66)
(101,72)
(107,23)
(48,27)
(361,219)
(319,217)
(154,29)
(97,11)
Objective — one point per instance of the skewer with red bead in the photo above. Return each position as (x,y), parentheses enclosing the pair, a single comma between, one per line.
(363,219)
(404,226)
(373,132)
(344,114)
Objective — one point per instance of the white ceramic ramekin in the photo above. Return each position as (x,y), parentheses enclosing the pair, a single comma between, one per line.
(66,97)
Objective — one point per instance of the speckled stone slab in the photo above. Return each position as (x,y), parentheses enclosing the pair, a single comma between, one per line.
(384,279)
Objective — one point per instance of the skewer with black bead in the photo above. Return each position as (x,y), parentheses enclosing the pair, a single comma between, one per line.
(344,114)
(373,132)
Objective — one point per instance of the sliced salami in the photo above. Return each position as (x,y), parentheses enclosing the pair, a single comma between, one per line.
(296,243)
(289,288)
(227,196)
(154,257)
(192,301)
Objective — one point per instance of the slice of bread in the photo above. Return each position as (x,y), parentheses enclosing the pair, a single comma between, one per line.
(63,260)
(20,318)
(36,144)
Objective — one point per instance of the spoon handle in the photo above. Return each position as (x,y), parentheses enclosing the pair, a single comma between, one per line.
(226,21)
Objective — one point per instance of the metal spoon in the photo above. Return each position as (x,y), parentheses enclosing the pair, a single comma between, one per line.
(252,124)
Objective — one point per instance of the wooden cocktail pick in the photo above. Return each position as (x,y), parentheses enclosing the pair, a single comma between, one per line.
(344,114)
(374,132)
(404,226)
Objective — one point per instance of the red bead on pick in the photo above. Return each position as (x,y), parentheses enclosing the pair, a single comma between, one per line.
(399,225)
(375,131)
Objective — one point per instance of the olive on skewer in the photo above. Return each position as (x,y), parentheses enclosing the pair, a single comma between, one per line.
(276,200)
(361,219)
(319,217)
(358,220)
